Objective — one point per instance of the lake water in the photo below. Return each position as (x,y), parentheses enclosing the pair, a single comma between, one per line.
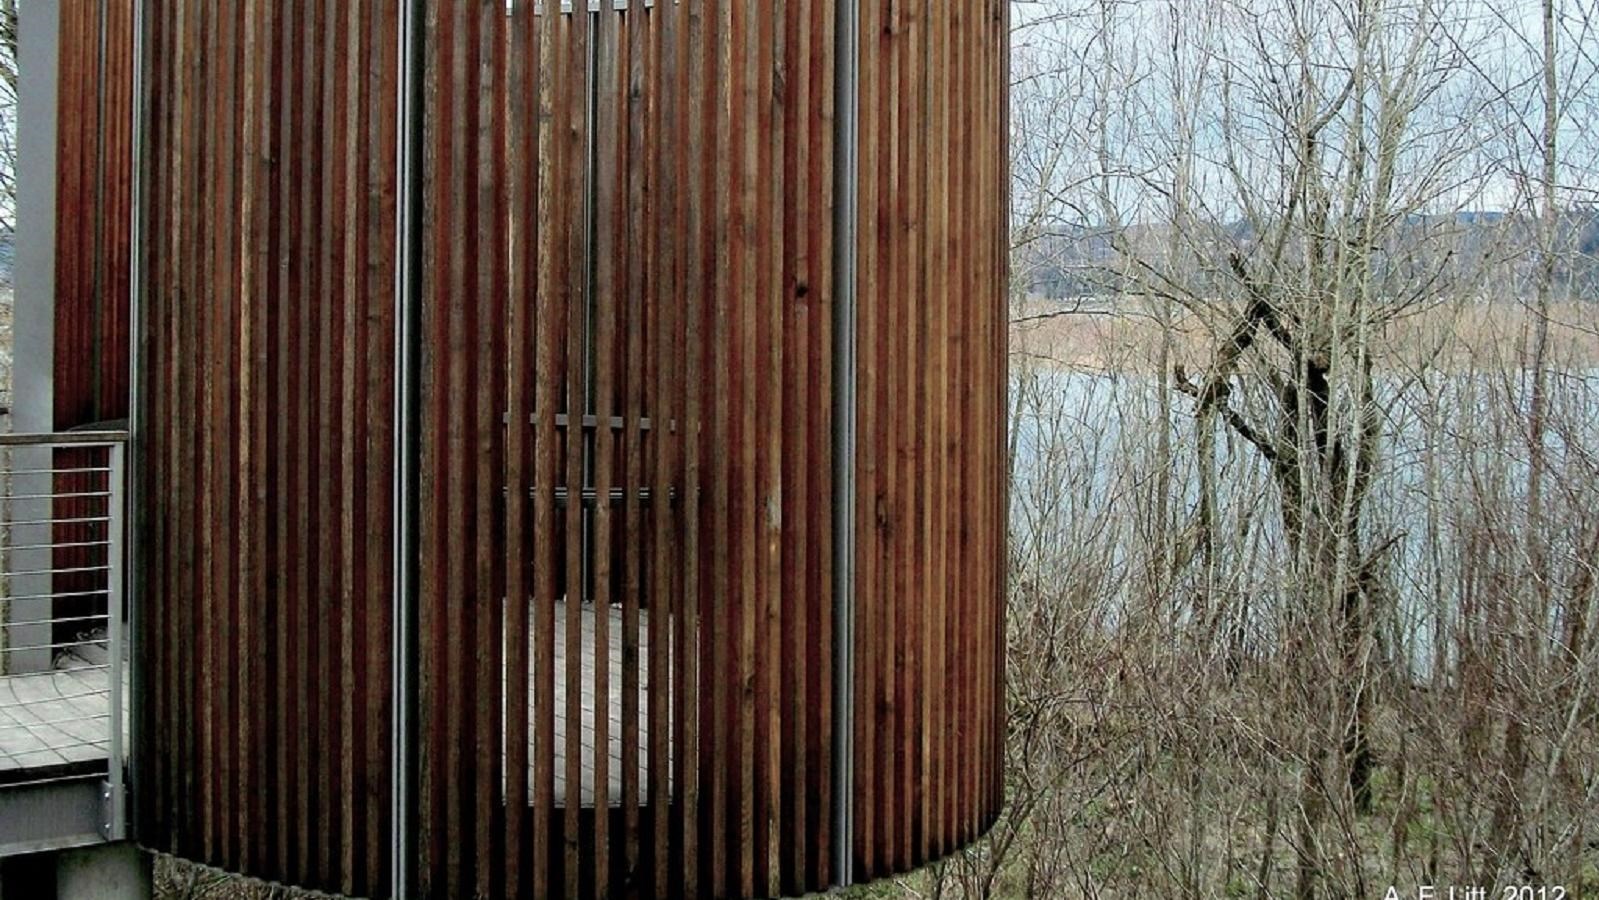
(1452,463)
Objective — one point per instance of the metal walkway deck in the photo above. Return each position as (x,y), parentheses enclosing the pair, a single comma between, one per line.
(57,720)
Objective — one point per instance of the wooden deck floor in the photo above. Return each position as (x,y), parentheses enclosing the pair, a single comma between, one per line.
(613,790)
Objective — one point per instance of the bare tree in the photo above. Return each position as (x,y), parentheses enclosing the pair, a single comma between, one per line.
(1328,612)
(8,114)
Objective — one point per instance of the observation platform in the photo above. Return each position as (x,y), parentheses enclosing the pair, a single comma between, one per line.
(56,722)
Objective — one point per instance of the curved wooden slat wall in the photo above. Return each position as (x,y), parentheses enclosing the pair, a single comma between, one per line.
(685,310)
(265,462)
(931,494)
(626,437)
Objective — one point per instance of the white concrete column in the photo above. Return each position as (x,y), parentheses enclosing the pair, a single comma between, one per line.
(33,323)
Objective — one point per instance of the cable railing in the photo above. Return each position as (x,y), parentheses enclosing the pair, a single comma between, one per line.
(63,653)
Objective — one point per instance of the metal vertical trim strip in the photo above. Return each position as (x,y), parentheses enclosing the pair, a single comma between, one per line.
(137,678)
(847,97)
(407,351)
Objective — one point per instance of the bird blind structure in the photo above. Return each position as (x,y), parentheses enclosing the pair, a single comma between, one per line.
(568,445)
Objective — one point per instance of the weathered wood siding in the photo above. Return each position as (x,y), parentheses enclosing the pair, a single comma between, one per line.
(627,424)
(265,462)
(929,703)
(931,464)
(94,146)
(94,128)
(633,344)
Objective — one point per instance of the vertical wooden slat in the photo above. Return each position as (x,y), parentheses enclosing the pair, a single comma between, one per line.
(288,372)
(228,423)
(666,609)
(520,308)
(636,134)
(824,61)
(331,549)
(461,358)
(902,346)
(248,523)
(192,796)
(770,410)
(997,319)
(307,431)
(962,274)
(486,588)
(202,431)
(574,162)
(689,646)
(608,296)
(547,399)
(258,452)
(744,455)
(159,713)
(719,631)
(867,601)
(384,243)
(351,447)
(937,576)
(787,694)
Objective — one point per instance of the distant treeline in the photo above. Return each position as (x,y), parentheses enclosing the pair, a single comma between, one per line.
(1078,262)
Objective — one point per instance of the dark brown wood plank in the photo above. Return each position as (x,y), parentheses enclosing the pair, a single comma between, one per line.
(433,768)
(695,131)
(486,274)
(575,52)
(636,136)
(937,577)
(787,694)
(521,359)
(822,161)
(868,625)
(723,872)
(608,244)
(547,398)
(771,303)
(351,451)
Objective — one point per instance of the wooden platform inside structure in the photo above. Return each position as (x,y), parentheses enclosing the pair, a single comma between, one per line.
(590,665)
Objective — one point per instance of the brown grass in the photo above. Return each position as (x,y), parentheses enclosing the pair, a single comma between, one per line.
(1483,335)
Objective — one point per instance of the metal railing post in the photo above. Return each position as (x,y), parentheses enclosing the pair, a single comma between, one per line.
(116,632)
(131,549)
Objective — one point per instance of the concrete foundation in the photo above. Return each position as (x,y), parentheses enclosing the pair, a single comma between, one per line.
(105,872)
